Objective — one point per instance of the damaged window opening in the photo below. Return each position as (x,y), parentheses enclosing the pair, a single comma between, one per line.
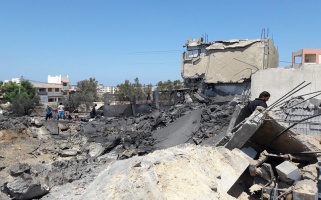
(310,58)
(193,53)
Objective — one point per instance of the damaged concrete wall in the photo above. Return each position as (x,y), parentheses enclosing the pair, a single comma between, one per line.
(290,141)
(230,61)
(273,58)
(280,81)
(223,89)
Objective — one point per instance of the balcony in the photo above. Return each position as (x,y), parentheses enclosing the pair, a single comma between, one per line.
(65,88)
(42,93)
(55,94)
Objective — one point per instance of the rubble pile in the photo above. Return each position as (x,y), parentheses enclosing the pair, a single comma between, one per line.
(186,151)
(60,152)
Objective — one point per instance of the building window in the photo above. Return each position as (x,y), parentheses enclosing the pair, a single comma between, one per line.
(42,89)
(310,58)
(56,89)
(64,93)
(64,84)
(49,89)
(193,53)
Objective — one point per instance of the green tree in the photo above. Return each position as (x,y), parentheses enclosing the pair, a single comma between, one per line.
(169,85)
(124,90)
(137,88)
(22,97)
(22,104)
(86,94)
(11,90)
(177,84)
(161,86)
(127,89)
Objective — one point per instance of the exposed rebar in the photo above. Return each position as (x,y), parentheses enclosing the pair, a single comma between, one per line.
(279,134)
(293,91)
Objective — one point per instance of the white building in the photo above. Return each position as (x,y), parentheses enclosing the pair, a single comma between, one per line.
(101,89)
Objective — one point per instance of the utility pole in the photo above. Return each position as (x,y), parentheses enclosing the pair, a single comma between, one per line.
(21,78)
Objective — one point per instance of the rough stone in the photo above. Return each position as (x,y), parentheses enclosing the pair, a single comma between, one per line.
(95,149)
(19,168)
(305,189)
(25,187)
(68,152)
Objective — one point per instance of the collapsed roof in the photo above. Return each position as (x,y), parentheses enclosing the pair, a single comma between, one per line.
(229,61)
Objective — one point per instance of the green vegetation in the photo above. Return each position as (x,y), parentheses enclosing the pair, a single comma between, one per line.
(169,85)
(143,92)
(127,89)
(86,94)
(23,97)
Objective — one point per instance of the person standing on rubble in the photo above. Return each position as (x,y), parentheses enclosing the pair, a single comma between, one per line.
(261,101)
(61,112)
(93,111)
(48,113)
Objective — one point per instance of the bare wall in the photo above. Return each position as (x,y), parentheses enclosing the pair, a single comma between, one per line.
(279,81)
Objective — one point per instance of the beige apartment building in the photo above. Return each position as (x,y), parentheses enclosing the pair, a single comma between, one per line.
(226,67)
(55,90)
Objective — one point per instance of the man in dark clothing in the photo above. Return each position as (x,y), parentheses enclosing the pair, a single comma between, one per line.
(248,109)
(261,101)
(93,111)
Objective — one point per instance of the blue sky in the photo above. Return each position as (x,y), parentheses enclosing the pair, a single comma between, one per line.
(115,40)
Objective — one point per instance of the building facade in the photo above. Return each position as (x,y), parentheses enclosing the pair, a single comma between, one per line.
(56,89)
(306,57)
(224,65)
(101,90)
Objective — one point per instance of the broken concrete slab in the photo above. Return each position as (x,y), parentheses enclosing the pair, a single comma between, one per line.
(51,126)
(249,151)
(294,141)
(178,132)
(242,134)
(229,176)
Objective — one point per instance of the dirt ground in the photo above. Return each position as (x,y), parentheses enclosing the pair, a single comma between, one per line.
(20,147)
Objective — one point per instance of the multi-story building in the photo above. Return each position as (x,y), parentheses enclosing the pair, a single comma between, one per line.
(225,67)
(101,89)
(56,90)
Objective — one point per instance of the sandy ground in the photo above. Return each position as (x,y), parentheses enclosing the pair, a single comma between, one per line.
(20,147)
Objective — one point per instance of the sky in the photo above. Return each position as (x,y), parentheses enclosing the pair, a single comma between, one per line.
(117,40)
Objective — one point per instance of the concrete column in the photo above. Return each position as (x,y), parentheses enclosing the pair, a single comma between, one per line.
(106,103)
(156,98)
(175,97)
(170,97)
(133,104)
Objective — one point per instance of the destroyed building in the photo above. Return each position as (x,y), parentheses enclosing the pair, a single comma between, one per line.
(226,66)
(180,145)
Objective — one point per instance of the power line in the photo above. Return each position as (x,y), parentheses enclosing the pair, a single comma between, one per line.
(160,63)
(149,52)
(285,61)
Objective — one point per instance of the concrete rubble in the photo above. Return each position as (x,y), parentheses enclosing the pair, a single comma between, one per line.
(191,150)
